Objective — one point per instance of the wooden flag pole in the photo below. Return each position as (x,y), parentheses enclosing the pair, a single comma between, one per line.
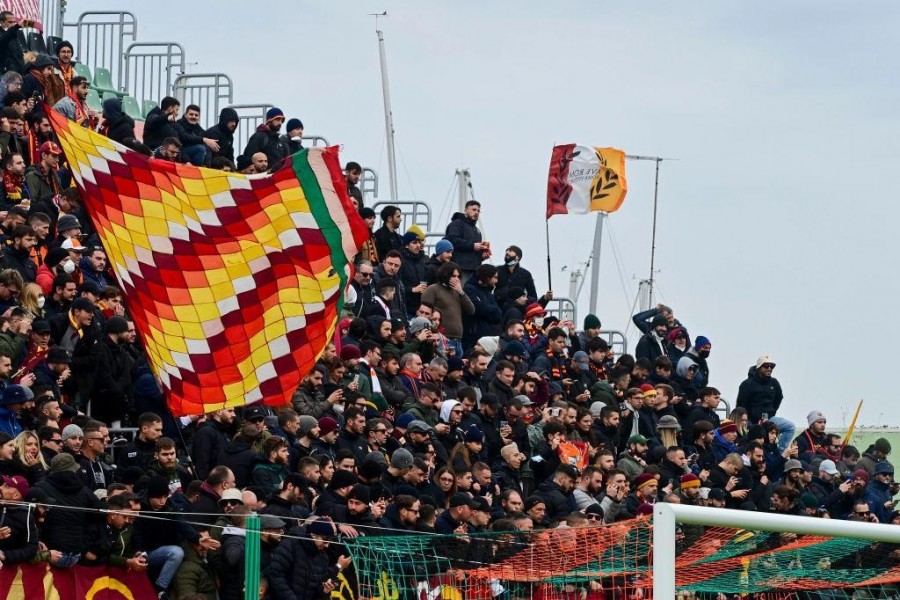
(852,425)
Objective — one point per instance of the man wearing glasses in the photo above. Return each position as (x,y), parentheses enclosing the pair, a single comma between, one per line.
(362,285)
(51,441)
(94,471)
(761,395)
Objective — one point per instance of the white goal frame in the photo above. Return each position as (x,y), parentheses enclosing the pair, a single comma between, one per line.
(667,516)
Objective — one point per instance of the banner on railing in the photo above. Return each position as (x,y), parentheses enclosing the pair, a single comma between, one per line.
(40,581)
(25,10)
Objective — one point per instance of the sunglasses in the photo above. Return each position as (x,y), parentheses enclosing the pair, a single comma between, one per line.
(863,514)
(366,275)
(231,503)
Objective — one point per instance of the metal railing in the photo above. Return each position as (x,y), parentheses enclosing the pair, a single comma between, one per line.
(617,341)
(151,68)
(368,182)
(210,91)
(101,38)
(414,213)
(564,308)
(316,141)
(250,116)
(52,12)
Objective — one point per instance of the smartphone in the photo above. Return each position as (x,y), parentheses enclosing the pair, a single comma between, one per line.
(356,379)
(504,424)
(555,412)
(765,416)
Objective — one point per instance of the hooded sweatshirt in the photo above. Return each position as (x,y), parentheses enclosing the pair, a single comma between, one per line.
(222,134)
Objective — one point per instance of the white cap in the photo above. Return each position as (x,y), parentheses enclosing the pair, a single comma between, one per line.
(829,467)
(764,360)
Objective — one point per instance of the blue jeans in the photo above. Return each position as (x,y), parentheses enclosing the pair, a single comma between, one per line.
(170,558)
(196,154)
(786,432)
(68,560)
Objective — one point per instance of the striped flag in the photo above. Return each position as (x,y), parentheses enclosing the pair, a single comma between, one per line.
(235,282)
(583,179)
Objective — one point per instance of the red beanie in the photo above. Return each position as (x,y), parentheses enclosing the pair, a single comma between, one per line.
(534,309)
(327,425)
(643,479)
(349,352)
(727,427)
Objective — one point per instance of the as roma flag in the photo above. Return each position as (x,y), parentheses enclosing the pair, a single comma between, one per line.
(40,581)
(235,282)
(584,179)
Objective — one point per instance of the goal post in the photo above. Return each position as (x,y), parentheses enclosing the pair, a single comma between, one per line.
(667,517)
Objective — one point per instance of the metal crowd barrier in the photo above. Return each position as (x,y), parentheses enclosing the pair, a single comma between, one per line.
(101,38)
(151,68)
(210,91)
(414,213)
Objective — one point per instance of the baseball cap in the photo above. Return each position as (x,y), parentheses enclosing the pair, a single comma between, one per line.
(50,148)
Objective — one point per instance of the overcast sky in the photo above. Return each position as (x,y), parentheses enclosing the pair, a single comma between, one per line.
(776,229)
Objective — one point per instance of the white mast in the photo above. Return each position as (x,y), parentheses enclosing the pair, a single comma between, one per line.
(388,117)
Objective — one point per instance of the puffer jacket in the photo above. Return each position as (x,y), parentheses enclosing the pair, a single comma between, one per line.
(487,315)
(298,570)
(60,531)
(463,233)
(22,544)
(759,395)
(559,504)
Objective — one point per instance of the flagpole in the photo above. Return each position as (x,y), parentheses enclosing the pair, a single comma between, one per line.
(852,425)
(595,261)
(657,160)
(549,276)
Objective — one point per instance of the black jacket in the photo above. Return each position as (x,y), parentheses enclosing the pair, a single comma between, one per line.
(463,234)
(559,503)
(148,534)
(158,127)
(412,273)
(298,570)
(20,260)
(269,143)
(12,55)
(67,530)
(22,544)
(240,458)
(759,395)
(209,444)
(386,240)
(84,354)
(519,278)
(486,320)
(355,443)
(222,134)
(113,381)
(188,134)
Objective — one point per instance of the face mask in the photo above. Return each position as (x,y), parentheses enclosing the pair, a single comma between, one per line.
(704,353)
(680,345)
(69,266)
(512,261)
(40,302)
(538,321)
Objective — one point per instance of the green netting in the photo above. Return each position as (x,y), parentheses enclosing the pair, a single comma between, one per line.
(600,562)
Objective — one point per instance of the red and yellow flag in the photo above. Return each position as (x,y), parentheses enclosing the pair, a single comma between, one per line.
(39,581)
(583,179)
(235,282)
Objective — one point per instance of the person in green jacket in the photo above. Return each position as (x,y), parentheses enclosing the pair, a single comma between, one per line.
(195,575)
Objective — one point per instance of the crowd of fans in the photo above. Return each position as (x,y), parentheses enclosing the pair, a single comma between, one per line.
(450,401)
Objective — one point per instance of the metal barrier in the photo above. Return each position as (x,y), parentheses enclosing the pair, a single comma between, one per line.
(617,341)
(101,38)
(431,239)
(210,91)
(368,182)
(52,12)
(414,213)
(317,140)
(250,116)
(151,68)
(564,309)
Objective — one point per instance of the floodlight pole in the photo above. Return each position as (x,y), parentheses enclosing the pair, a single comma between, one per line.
(388,116)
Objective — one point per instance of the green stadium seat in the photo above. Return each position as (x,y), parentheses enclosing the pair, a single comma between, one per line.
(103,81)
(131,108)
(147,106)
(93,100)
(107,94)
(84,71)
